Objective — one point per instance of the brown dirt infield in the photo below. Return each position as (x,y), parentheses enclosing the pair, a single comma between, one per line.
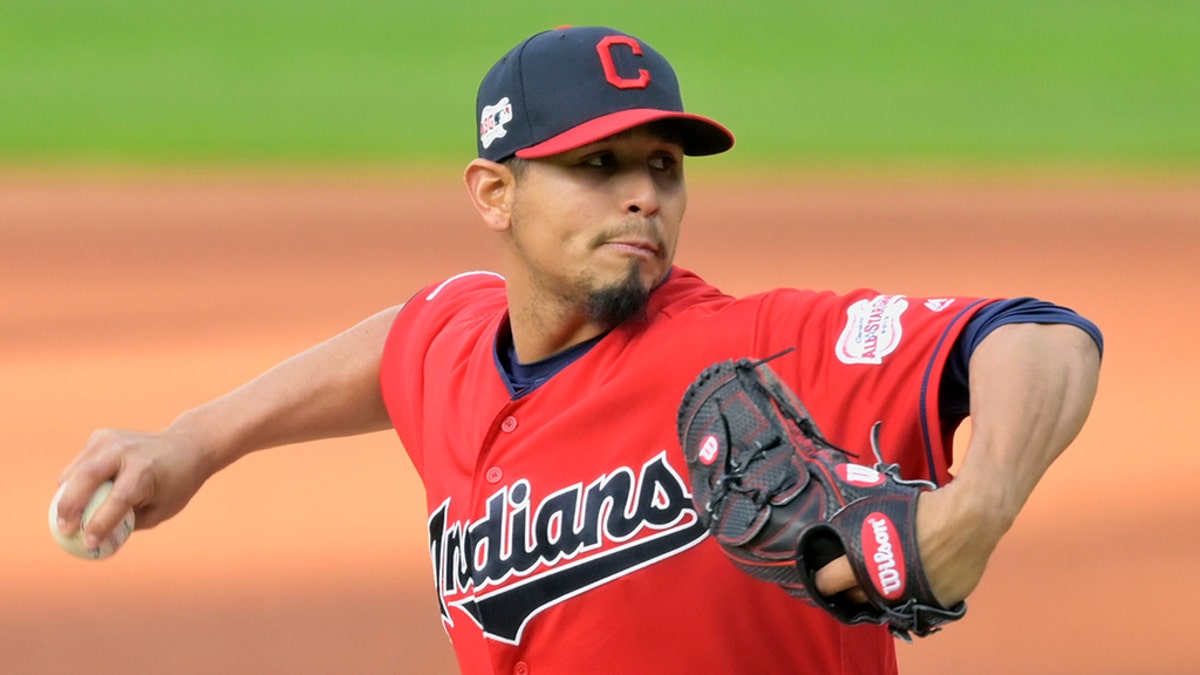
(129,298)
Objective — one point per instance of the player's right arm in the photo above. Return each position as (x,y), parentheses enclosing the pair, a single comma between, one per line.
(329,390)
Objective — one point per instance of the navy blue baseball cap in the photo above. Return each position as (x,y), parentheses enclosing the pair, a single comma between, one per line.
(568,87)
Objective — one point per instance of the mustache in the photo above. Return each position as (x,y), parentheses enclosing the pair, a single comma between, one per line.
(639,228)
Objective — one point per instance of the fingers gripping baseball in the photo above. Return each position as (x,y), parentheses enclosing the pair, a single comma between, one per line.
(151,474)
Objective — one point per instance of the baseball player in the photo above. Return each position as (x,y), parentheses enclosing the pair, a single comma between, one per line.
(539,406)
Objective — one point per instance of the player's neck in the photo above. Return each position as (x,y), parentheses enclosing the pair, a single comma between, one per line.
(540,331)
(543,322)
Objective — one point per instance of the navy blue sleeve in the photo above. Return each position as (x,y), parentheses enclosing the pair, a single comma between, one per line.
(954,402)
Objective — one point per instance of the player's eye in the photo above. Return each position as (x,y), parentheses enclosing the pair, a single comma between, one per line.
(664,162)
(600,160)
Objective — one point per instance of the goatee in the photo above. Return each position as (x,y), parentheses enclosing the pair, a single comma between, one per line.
(625,300)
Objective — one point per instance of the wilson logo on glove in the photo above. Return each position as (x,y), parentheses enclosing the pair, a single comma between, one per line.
(708,449)
(879,544)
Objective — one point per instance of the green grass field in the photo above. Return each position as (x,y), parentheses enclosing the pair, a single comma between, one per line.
(1098,83)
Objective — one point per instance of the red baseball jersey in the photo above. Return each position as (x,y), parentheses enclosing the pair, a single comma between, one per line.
(561,528)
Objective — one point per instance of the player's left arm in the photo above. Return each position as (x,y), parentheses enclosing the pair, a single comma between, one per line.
(1031,388)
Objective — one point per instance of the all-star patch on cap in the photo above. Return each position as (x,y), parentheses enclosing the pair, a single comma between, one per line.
(566,88)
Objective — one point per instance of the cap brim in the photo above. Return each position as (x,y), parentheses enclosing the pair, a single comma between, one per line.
(699,135)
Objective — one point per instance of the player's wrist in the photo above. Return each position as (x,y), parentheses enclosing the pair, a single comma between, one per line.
(207,444)
(984,509)
(957,531)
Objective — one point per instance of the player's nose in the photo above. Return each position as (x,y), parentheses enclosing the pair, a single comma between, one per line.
(640,193)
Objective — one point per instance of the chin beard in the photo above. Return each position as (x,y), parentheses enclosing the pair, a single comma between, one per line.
(620,302)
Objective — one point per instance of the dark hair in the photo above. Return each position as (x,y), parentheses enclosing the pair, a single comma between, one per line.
(516,165)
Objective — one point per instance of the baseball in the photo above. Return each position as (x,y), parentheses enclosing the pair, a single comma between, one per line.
(73,543)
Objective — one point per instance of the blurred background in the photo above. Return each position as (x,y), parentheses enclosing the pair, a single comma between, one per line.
(190,192)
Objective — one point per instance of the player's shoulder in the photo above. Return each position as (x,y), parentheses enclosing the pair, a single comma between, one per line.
(465,289)
(461,284)
(867,301)
(793,311)
(462,297)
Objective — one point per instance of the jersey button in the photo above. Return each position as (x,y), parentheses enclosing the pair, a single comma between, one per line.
(494,474)
(521,668)
(509,424)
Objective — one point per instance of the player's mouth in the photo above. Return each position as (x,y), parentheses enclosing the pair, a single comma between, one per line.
(636,247)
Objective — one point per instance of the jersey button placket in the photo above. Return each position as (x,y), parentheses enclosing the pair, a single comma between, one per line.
(494,474)
(508,425)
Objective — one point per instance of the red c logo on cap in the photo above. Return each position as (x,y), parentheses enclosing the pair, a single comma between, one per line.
(604,48)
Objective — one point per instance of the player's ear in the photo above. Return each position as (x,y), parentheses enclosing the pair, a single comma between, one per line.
(491,186)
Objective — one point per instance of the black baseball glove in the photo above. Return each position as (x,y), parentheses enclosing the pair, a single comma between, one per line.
(783,502)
